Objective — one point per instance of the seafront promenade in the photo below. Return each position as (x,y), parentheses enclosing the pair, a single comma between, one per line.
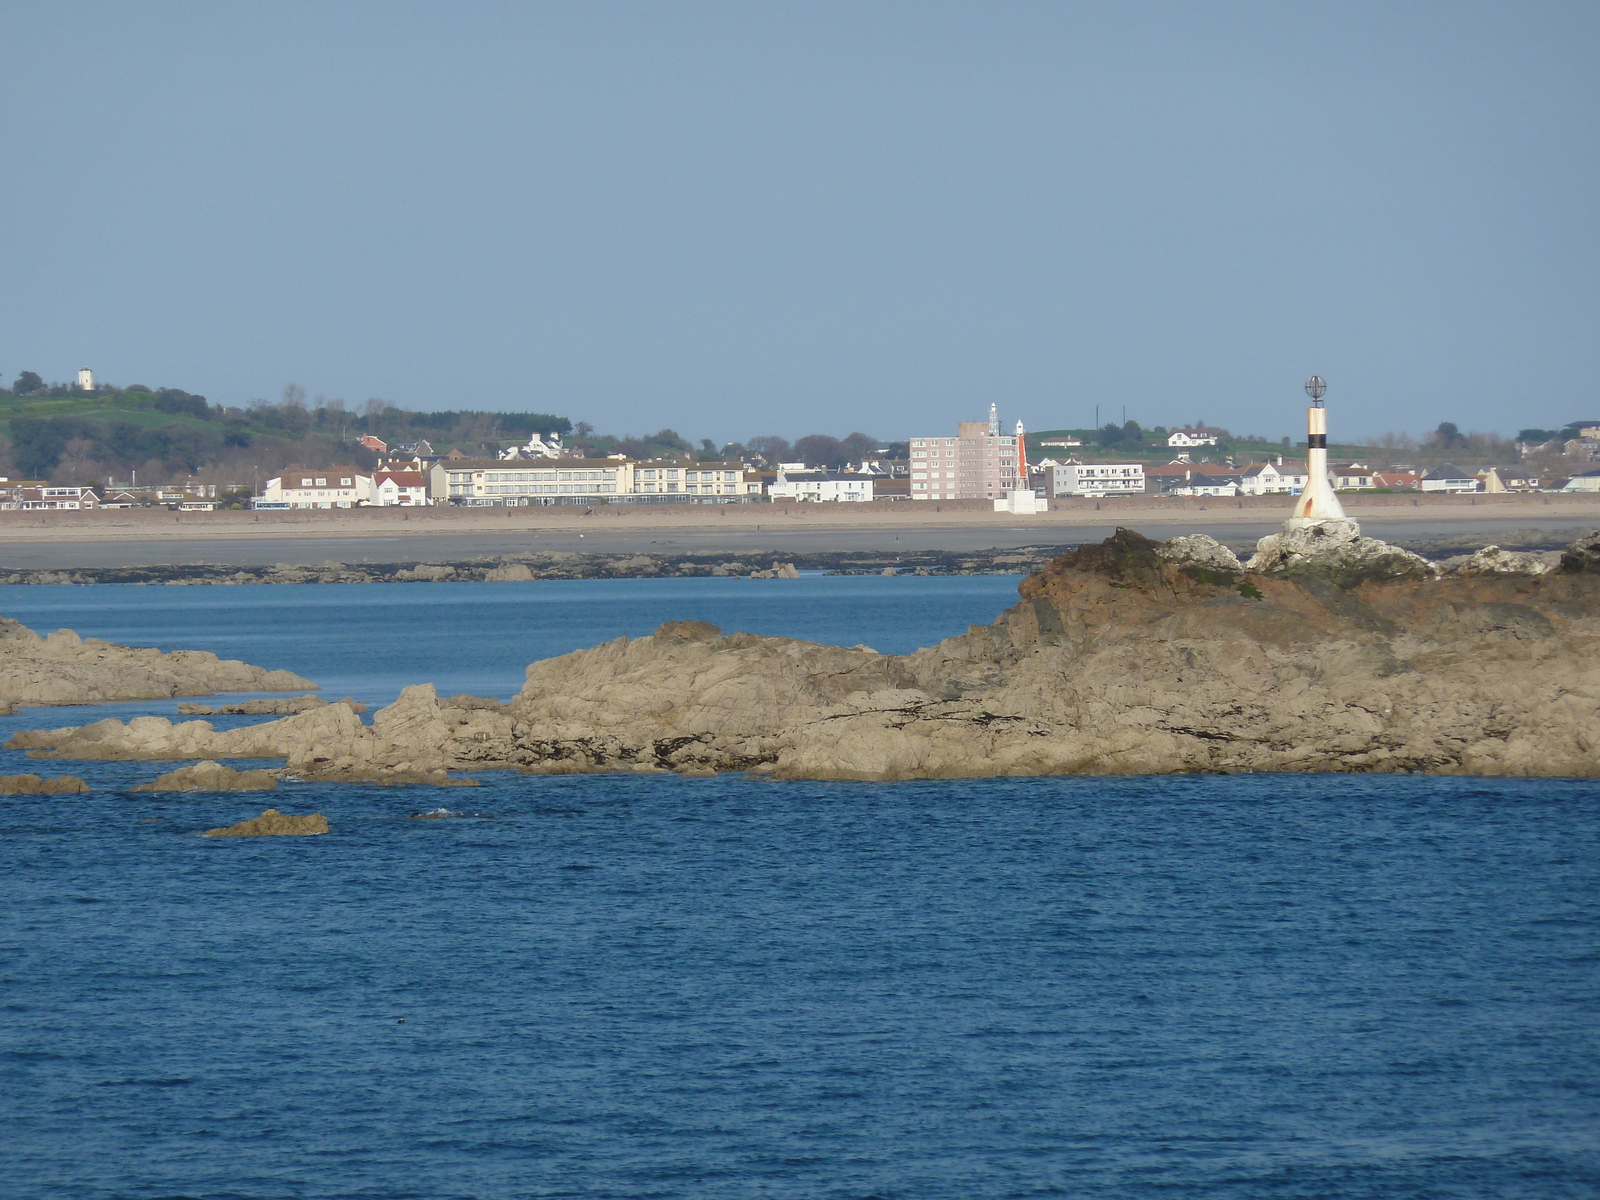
(50,540)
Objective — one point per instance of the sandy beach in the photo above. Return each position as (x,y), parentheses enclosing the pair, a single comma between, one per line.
(59,540)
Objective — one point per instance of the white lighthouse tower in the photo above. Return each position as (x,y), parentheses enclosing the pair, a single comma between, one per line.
(1317,502)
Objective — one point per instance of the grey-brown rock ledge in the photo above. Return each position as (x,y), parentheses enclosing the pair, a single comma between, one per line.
(1127,657)
(67,669)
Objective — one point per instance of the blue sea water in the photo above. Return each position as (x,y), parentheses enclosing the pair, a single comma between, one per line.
(1305,986)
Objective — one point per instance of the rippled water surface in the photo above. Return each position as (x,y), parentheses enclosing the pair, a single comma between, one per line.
(1309,986)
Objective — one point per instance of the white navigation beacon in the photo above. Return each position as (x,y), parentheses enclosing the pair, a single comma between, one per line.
(1317,502)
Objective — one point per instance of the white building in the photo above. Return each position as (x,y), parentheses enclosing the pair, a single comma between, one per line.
(85,379)
(1192,437)
(1449,478)
(1023,503)
(827,486)
(392,488)
(1273,478)
(725,480)
(480,481)
(322,487)
(1351,477)
(585,480)
(1200,484)
(1588,481)
(1094,479)
(33,495)
(548,446)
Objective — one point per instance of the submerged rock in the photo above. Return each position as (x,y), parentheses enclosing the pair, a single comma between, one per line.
(34,785)
(509,573)
(211,777)
(273,823)
(281,707)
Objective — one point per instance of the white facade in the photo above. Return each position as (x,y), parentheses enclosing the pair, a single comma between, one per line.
(1023,503)
(1267,479)
(85,379)
(1094,479)
(570,480)
(1351,477)
(322,487)
(1449,478)
(547,447)
(394,488)
(725,479)
(1589,481)
(822,488)
(31,495)
(491,481)
(1207,485)
(1191,437)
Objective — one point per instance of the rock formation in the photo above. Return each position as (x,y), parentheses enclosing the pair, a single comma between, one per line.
(33,785)
(66,669)
(1492,560)
(1336,653)
(1335,548)
(273,823)
(211,776)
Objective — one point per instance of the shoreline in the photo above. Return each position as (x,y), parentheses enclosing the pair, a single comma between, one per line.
(116,539)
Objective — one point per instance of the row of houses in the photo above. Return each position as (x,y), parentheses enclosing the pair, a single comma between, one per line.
(1280,477)
(37,495)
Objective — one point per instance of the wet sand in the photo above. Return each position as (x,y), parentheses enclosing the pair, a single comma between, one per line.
(44,541)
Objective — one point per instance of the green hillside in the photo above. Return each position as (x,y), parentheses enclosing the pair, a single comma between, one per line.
(85,437)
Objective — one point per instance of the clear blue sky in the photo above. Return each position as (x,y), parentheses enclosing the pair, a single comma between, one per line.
(787,218)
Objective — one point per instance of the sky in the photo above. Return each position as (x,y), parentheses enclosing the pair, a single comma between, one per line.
(737,219)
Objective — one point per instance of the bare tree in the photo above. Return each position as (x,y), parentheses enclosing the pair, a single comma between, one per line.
(769,447)
(294,396)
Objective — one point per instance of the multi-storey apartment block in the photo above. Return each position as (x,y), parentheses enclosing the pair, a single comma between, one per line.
(979,463)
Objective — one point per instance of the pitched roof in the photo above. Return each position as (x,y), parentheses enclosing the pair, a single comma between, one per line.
(401,478)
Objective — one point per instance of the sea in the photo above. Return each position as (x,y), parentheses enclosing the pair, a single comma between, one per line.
(650,987)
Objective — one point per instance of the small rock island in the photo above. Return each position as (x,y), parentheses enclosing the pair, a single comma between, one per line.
(1326,651)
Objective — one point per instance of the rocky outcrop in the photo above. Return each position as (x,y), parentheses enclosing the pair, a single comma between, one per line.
(1199,550)
(1583,556)
(276,707)
(273,823)
(509,573)
(66,669)
(1125,657)
(211,777)
(1491,560)
(1335,549)
(33,785)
